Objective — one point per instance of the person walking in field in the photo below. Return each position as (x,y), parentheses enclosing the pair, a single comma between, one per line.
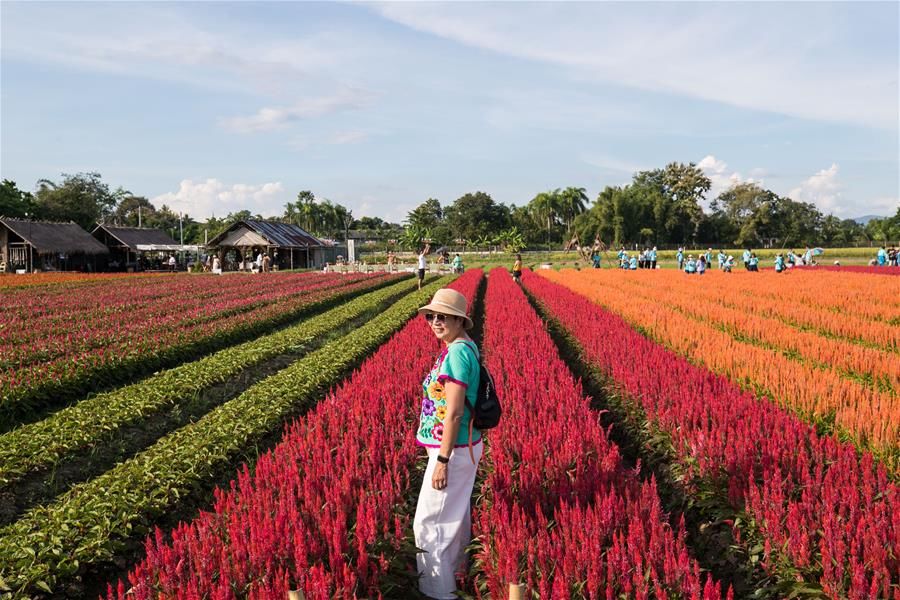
(653,253)
(721,258)
(708,257)
(882,257)
(442,524)
(423,264)
(729,264)
(679,256)
(701,265)
(746,258)
(266,261)
(779,263)
(517,269)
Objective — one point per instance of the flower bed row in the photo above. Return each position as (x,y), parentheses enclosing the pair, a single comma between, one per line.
(54,382)
(559,511)
(728,311)
(869,416)
(884,270)
(41,444)
(319,512)
(818,517)
(89,525)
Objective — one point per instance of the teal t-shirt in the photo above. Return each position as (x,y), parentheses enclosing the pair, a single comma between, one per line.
(457,363)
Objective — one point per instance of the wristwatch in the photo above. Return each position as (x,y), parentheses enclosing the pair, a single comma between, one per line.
(443,459)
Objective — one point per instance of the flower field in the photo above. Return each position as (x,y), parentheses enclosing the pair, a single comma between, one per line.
(737,326)
(56,342)
(663,436)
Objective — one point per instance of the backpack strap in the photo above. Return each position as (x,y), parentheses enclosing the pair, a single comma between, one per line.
(477,354)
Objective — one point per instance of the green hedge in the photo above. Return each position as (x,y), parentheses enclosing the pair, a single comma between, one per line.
(42,444)
(90,524)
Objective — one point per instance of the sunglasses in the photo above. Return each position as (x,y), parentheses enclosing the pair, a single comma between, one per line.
(435,317)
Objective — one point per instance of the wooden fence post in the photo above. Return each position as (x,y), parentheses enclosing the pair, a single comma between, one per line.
(296,595)
(517,591)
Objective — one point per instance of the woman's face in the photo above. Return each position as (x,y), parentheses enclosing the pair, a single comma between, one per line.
(446,328)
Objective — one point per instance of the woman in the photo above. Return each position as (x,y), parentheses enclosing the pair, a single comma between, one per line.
(422,264)
(517,268)
(442,525)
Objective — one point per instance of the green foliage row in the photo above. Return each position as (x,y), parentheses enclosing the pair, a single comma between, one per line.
(42,444)
(55,391)
(92,522)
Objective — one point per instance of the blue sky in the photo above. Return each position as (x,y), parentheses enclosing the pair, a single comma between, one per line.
(214,107)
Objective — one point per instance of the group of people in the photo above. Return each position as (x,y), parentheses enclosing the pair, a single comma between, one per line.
(886,257)
(645,259)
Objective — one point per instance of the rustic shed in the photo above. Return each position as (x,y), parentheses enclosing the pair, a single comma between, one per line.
(289,246)
(38,245)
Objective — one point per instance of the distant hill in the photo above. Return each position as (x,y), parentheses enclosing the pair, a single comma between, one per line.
(866,218)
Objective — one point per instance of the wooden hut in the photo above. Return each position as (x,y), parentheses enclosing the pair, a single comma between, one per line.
(288,246)
(27,246)
(127,244)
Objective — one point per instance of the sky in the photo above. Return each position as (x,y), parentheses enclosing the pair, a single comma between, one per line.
(215,107)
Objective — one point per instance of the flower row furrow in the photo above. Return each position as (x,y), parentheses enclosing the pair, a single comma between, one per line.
(86,526)
(812,511)
(318,512)
(41,444)
(559,511)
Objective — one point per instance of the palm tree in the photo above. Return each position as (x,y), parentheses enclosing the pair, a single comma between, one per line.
(572,203)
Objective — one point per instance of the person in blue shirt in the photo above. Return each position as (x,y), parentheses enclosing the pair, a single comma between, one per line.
(747,254)
(779,263)
(708,256)
(653,258)
(729,264)
(754,263)
(791,258)
(882,257)
(721,259)
(595,259)
(632,264)
(701,265)
(807,256)
(690,267)
(679,256)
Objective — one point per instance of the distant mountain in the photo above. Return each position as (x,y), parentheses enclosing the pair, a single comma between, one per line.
(866,218)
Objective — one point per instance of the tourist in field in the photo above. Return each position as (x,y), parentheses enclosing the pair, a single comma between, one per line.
(423,264)
(791,259)
(729,264)
(216,265)
(882,257)
(457,264)
(690,267)
(754,263)
(807,256)
(679,256)
(442,526)
(779,263)
(708,257)
(653,253)
(746,258)
(633,263)
(721,258)
(701,265)
(892,257)
(622,256)
(517,269)
(172,263)
(595,259)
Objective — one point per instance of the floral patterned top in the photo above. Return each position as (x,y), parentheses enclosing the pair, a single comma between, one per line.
(457,363)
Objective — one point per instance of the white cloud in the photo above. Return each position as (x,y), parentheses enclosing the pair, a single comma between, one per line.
(349,137)
(270,118)
(701,50)
(213,197)
(823,190)
(722,178)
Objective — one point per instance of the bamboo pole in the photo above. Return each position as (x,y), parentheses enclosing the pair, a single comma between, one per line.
(296,595)
(517,591)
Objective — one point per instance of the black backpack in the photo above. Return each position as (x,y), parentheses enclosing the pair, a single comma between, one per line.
(487,410)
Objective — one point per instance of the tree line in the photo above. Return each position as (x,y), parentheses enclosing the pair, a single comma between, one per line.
(660,207)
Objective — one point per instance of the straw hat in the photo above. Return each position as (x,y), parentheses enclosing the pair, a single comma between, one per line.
(449,302)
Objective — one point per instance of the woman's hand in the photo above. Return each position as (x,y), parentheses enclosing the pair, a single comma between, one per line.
(439,477)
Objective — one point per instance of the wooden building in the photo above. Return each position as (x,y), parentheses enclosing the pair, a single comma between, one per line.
(288,246)
(127,245)
(28,246)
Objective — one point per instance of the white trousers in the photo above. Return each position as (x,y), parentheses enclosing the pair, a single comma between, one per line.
(443,522)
